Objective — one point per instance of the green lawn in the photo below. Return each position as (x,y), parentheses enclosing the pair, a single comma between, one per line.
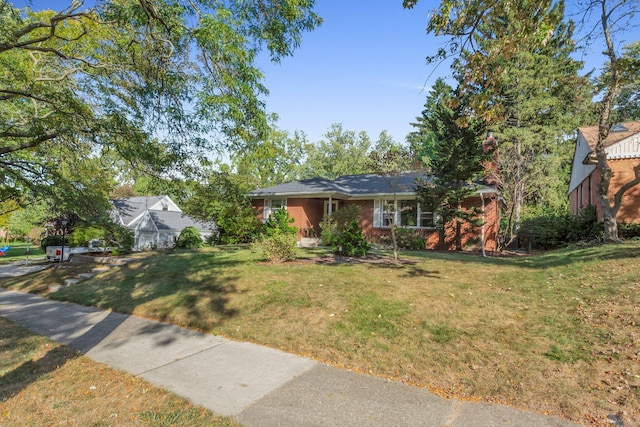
(555,333)
(17,252)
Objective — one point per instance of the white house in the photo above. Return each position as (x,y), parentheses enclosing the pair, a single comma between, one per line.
(156,221)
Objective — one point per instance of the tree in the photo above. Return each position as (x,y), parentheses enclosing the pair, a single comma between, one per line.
(390,160)
(149,84)
(274,160)
(457,158)
(627,105)
(520,26)
(340,153)
(220,199)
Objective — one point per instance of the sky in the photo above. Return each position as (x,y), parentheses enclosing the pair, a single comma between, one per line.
(364,67)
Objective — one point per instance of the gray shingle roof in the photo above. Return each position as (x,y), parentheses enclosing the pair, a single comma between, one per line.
(177,221)
(130,208)
(363,185)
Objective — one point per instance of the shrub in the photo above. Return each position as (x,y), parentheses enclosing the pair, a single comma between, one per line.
(409,239)
(279,247)
(189,238)
(628,231)
(549,229)
(236,224)
(280,222)
(351,242)
(333,225)
(55,240)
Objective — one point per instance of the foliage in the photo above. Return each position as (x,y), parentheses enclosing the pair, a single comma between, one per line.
(628,101)
(549,229)
(457,157)
(22,221)
(342,152)
(54,240)
(279,222)
(410,239)
(84,233)
(220,198)
(151,86)
(278,247)
(350,241)
(629,230)
(273,160)
(334,224)
(189,238)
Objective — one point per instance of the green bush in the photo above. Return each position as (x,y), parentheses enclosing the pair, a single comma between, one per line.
(351,242)
(407,238)
(236,224)
(332,226)
(628,230)
(189,238)
(280,222)
(548,229)
(52,241)
(278,247)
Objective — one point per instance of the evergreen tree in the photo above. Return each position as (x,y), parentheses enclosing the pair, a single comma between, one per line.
(456,158)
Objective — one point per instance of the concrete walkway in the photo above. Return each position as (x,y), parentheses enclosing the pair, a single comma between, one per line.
(258,386)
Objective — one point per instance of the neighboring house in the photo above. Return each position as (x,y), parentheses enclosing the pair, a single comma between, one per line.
(156,221)
(309,200)
(623,154)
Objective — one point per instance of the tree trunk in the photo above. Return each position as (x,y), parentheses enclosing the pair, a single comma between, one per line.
(609,212)
(394,241)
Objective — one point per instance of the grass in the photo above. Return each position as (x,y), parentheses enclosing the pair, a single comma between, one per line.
(555,333)
(44,383)
(17,252)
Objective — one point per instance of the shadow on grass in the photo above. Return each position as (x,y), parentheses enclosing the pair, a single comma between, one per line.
(16,380)
(187,287)
(554,258)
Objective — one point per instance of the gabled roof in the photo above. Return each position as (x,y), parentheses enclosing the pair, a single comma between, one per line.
(619,132)
(131,208)
(349,186)
(177,221)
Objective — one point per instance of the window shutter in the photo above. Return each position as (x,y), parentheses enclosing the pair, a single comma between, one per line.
(377,212)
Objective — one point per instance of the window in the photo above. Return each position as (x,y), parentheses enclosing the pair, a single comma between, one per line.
(334,207)
(409,213)
(272,205)
(388,212)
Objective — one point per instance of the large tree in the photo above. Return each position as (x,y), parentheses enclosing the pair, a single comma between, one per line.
(147,84)
(456,157)
(517,27)
(341,152)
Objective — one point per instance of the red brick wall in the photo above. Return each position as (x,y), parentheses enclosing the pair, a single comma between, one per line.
(309,212)
(587,192)
(433,236)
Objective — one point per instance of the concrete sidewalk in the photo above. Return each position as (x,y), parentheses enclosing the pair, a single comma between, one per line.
(258,386)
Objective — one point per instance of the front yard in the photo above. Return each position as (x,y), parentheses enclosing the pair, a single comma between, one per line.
(556,333)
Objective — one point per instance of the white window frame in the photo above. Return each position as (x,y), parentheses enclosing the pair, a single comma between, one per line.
(379,214)
(334,207)
(269,209)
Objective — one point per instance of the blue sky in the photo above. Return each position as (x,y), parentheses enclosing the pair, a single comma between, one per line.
(364,67)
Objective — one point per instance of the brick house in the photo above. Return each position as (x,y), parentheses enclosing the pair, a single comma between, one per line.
(380,199)
(623,153)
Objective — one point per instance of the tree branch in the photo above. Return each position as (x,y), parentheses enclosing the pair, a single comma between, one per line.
(24,145)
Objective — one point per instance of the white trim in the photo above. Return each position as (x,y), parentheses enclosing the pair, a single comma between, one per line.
(378,213)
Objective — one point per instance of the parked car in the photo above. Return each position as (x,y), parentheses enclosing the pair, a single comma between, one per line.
(55,252)
(95,246)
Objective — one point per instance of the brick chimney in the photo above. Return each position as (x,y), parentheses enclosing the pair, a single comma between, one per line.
(490,143)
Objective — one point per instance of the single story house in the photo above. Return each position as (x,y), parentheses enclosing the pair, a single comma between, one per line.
(156,221)
(380,199)
(623,154)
